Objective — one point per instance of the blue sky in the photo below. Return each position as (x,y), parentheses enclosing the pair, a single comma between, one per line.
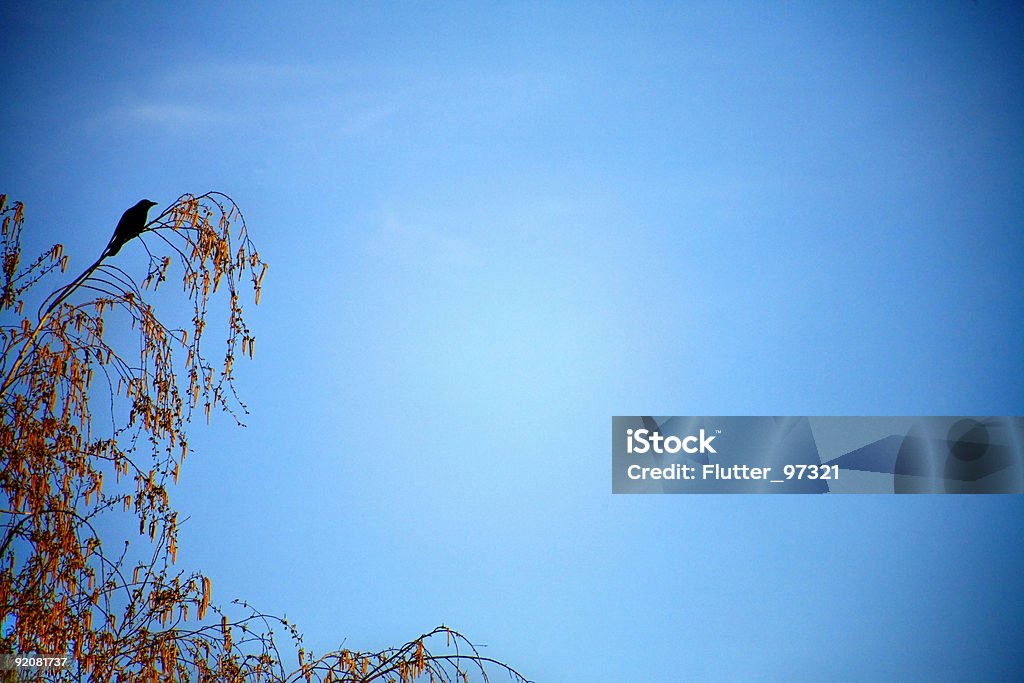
(491,227)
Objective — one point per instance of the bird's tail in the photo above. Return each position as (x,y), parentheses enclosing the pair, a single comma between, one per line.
(113,246)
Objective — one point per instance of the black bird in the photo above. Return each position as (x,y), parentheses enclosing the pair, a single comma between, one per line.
(129,227)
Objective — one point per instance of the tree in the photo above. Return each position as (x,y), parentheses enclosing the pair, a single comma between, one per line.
(88,535)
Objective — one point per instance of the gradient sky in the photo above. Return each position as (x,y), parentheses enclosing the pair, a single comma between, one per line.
(491,227)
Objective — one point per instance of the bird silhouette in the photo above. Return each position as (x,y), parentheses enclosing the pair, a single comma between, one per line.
(132,222)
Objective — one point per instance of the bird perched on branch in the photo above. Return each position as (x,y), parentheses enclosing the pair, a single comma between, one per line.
(132,222)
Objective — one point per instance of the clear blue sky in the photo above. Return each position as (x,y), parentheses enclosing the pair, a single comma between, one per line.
(491,227)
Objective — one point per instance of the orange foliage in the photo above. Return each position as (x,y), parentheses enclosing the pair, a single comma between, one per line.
(122,611)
